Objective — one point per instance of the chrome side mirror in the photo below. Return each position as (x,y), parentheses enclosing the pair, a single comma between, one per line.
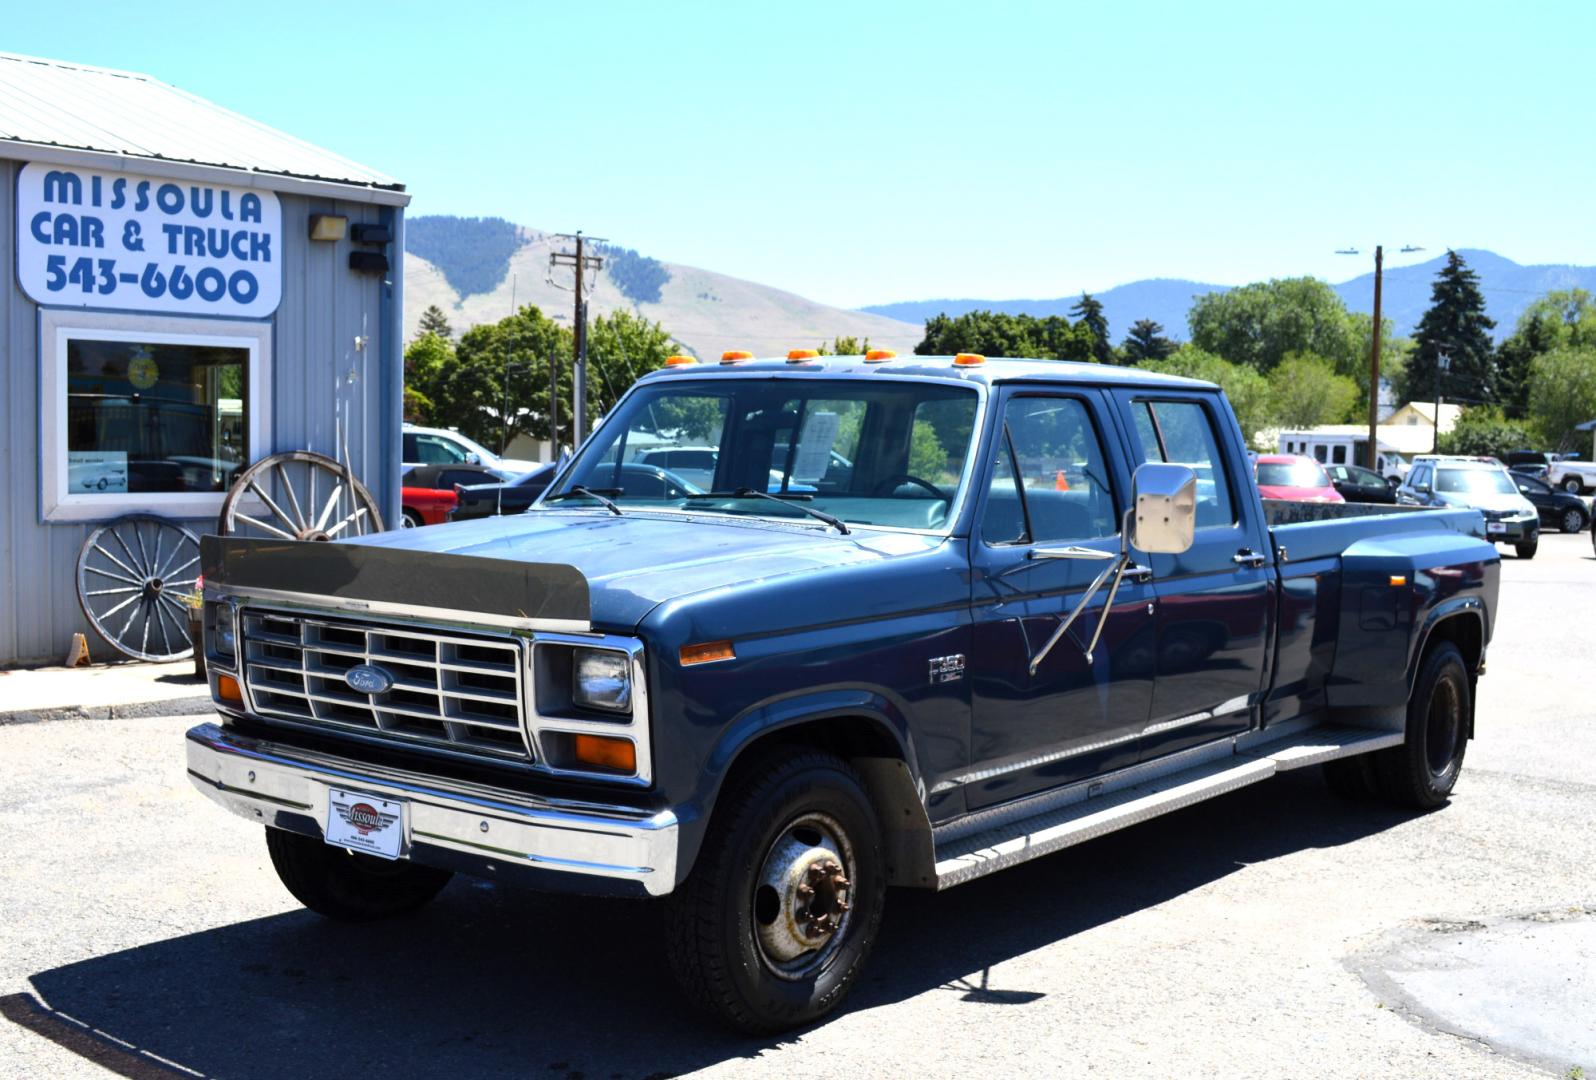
(473,458)
(1165,516)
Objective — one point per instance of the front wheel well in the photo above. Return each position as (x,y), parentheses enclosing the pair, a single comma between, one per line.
(875,753)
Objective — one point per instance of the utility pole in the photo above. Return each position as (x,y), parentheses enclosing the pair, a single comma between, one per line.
(1374,365)
(581,263)
(1443,364)
(554,407)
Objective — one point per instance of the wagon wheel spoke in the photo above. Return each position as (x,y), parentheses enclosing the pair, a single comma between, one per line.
(332,504)
(272,504)
(355,517)
(293,498)
(136,575)
(263,526)
(109,574)
(109,592)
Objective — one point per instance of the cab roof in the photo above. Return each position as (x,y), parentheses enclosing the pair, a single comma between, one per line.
(990,370)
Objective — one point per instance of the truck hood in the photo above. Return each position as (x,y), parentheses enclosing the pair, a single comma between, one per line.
(635,562)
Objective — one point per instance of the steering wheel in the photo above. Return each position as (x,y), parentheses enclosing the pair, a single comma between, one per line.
(892,483)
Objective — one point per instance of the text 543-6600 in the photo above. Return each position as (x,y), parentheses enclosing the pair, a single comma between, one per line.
(103,277)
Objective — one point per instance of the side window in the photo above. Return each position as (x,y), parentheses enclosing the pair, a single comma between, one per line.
(1318,453)
(436,451)
(1182,433)
(1338,455)
(1050,481)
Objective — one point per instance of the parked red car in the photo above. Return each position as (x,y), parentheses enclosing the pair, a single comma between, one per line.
(1290,476)
(426,506)
(429,495)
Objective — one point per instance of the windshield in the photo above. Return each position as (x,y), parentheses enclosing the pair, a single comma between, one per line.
(1297,474)
(1473,482)
(870,452)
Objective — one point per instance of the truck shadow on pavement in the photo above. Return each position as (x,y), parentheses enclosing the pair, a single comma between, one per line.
(488,981)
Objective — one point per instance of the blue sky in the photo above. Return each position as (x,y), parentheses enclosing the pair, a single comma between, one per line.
(862,153)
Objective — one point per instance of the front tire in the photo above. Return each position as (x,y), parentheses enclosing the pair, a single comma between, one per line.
(1528,548)
(348,887)
(784,905)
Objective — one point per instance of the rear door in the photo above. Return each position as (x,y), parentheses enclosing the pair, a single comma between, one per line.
(1215,600)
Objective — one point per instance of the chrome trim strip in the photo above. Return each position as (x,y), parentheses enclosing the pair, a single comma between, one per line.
(255,778)
(409,612)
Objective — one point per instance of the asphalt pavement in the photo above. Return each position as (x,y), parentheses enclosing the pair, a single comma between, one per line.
(1275,932)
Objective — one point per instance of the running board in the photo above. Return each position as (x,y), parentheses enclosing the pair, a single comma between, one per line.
(995,839)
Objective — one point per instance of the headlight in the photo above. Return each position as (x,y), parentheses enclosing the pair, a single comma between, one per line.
(226,639)
(602,679)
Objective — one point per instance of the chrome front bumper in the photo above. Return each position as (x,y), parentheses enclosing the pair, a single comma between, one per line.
(486,831)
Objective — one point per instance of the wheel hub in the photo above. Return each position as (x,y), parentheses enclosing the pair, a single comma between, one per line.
(802,896)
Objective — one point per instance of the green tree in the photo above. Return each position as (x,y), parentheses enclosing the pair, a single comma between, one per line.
(1562,393)
(1247,390)
(1561,317)
(844,346)
(434,321)
(425,360)
(1485,431)
(998,334)
(1305,391)
(1260,324)
(513,354)
(622,347)
(1456,323)
(1145,342)
(1088,312)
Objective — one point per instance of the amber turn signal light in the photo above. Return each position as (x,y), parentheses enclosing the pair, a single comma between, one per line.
(227,689)
(708,652)
(605,751)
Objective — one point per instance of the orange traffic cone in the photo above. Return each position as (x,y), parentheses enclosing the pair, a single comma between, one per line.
(1059,483)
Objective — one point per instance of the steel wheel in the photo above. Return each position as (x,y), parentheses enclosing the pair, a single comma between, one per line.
(130,575)
(299,496)
(802,897)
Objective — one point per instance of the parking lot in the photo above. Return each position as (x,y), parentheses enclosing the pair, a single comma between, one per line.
(1274,932)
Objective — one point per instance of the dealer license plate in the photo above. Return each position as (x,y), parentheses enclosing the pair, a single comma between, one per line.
(1495,527)
(365,823)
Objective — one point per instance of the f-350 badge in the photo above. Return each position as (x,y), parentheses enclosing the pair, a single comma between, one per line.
(946,669)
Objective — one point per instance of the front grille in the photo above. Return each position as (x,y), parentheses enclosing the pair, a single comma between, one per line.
(1498,515)
(458,691)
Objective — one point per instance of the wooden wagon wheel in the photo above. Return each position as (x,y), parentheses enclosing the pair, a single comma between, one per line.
(305,496)
(132,573)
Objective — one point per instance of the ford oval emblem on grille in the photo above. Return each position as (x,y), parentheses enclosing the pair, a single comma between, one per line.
(368,679)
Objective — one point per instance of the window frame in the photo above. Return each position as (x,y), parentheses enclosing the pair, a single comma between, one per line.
(59,326)
(1215,431)
(1003,442)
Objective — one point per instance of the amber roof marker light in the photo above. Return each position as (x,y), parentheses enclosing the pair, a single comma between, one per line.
(880,356)
(798,356)
(680,361)
(969,359)
(735,356)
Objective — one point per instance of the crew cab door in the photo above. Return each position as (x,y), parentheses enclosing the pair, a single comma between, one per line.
(1215,600)
(1049,483)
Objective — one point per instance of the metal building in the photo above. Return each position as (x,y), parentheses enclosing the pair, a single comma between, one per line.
(182,291)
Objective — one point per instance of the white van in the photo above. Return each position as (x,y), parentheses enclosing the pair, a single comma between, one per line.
(1338,449)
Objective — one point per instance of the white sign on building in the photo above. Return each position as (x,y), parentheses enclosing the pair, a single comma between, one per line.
(129,243)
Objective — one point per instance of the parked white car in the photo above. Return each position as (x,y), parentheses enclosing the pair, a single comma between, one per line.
(440,446)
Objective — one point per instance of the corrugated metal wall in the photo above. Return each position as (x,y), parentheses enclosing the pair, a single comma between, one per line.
(325,307)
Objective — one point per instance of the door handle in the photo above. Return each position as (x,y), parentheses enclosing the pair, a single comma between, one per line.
(1139,574)
(1249,557)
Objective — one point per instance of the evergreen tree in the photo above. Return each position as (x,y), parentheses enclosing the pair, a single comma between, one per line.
(1145,342)
(1088,310)
(434,321)
(1456,324)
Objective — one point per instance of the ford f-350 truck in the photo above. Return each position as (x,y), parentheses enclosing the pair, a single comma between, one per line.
(929,618)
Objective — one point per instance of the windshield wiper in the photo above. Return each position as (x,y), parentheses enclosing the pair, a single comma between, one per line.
(600,495)
(795,500)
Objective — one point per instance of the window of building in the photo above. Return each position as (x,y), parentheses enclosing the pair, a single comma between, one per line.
(147,413)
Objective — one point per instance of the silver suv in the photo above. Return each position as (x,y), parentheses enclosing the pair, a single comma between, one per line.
(1481,483)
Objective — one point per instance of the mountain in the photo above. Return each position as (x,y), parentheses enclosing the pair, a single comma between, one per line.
(1164,300)
(707,312)
(1508,288)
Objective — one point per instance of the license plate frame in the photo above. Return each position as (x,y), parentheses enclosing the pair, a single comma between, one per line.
(365,823)
(1495,528)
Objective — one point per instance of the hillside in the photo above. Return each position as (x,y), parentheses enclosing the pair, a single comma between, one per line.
(1508,288)
(708,312)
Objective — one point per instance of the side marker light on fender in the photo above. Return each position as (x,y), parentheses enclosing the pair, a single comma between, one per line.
(1398,580)
(227,689)
(707,653)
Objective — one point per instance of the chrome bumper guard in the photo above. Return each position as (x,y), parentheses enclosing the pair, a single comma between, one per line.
(491,828)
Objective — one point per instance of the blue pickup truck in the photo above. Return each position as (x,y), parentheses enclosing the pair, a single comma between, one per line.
(927,618)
